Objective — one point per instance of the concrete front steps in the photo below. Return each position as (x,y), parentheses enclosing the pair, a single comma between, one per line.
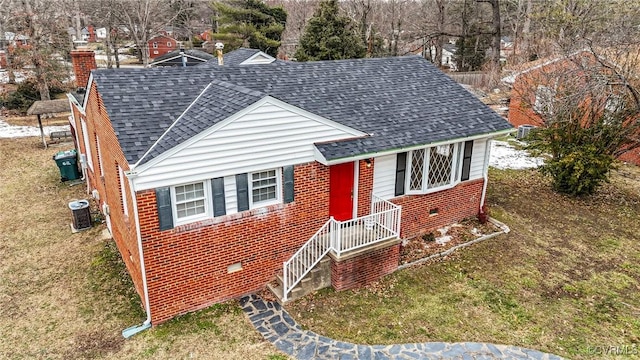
(318,278)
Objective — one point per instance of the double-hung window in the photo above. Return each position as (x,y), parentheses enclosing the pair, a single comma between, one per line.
(264,187)
(191,201)
(431,168)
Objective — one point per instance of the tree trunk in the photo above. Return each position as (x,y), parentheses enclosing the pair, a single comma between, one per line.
(439,40)
(41,78)
(77,24)
(526,27)
(107,48)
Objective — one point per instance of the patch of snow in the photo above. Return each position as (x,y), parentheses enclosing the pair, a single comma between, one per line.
(20,77)
(505,156)
(11,131)
(441,240)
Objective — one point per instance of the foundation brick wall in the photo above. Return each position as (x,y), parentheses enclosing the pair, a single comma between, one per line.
(452,205)
(187,266)
(365,268)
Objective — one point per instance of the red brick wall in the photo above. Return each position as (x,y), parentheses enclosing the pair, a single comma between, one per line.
(452,205)
(108,186)
(632,156)
(187,266)
(365,268)
(365,187)
(83,62)
(522,100)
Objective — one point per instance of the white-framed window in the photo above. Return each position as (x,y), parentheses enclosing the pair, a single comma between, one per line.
(543,103)
(264,188)
(123,191)
(433,168)
(155,45)
(169,44)
(87,148)
(190,202)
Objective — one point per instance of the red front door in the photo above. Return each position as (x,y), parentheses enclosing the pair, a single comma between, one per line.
(341,191)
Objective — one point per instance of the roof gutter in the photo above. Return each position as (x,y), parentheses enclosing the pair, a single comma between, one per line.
(130,331)
(321,159)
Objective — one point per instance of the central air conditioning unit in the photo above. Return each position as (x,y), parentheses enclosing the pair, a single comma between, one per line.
(523,131)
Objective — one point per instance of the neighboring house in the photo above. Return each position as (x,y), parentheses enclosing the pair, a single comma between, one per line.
(182,58)
(214,179)
(448,51)
(244,56)
(535,85)
(160,45)
(13,40)
(101,33)
(89,34)
(506,48)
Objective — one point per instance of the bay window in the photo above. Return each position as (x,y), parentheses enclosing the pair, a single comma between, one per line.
(432,168)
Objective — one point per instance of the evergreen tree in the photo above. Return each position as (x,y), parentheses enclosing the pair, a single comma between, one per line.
(471,52)
(329,36)
(250,23)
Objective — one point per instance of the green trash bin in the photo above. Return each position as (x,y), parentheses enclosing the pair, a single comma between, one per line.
(67,162)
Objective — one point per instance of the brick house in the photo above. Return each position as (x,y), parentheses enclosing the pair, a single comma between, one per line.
(160,45)
(215,179)
(536,83)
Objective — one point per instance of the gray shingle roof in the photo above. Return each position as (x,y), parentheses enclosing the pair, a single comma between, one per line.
(218,101)
(400,101)
(237,56)
(194,57)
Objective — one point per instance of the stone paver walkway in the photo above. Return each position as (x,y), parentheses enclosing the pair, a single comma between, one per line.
(275,324)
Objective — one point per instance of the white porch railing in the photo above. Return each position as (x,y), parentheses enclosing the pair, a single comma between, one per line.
(382,224)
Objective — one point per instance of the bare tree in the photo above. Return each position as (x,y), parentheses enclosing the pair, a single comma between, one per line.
(144,18)
(5,18)
(45,26)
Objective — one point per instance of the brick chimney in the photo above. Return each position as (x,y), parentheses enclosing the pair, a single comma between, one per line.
(83,62)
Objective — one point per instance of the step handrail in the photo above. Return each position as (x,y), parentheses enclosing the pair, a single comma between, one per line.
(307,257)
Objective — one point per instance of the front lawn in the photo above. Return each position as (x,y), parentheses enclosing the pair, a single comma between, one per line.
(566,280)
(68,296)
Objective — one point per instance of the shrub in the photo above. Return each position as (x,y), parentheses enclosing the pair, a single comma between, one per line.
(579,172)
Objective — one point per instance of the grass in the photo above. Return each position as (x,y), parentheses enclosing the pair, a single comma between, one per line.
(68,296)
(565,280)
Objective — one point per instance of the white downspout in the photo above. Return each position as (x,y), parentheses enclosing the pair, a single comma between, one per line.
(485,174)
(130,331)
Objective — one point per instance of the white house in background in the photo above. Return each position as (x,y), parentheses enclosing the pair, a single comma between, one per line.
(101,33)
(448,50)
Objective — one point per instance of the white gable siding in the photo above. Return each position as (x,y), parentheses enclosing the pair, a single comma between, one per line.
(384,176)
(230,199)
(477,159)
(267,137)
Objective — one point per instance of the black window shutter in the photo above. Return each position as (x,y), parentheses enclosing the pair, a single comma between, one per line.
(466,160)
(217,189)
(242,191)
(163,202)
(288,184)
(401,169)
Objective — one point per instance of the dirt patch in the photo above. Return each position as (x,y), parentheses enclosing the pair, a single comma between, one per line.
(444,239)
(95,344)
